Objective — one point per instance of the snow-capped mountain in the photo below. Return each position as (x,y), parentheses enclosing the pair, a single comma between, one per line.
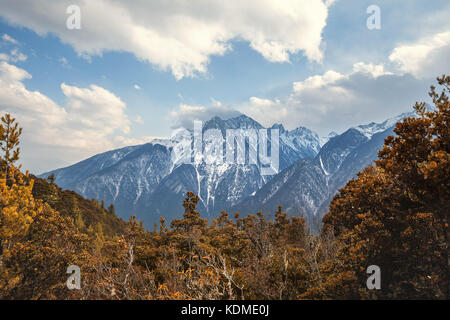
(372,128)
(327,138)
(307,186)
(151,180)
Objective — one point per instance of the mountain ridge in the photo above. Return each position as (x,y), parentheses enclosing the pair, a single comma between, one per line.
(307,187)
(150,180)
(136,178)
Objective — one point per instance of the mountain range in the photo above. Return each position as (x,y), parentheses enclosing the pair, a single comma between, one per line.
(307,187)
(151,180)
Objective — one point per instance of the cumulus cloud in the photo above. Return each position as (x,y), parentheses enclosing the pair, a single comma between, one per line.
(426,57)
(180,36)
(335,101)
(82,127)
(332,101)
(94,106)
(368,68)
(318,81)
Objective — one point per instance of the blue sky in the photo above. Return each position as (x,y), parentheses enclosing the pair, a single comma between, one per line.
(134,71)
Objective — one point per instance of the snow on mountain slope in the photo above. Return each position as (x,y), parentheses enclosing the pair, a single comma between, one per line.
(307,187)
(151,180)
(324,140)
(373,128)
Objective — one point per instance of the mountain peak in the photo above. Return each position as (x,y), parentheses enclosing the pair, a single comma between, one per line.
(215,122)
(303,131)
(279,126)
(373,128)
(327,138)
(242,122)
(239,122)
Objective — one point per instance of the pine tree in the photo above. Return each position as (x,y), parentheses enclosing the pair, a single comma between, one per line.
(52,196)
(79,222)
(76,213)
(9,141)
(99,236)
(111,209)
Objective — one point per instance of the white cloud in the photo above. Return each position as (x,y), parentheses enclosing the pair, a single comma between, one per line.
(14,56)
(374,70)
(137,87)
(10,39)
(332,101)
(184,115)
(335,101)
(187,110)
(96,108)
(85,125)
(260,109)
(428,57)
(180,36)
(121,141)
(317,82)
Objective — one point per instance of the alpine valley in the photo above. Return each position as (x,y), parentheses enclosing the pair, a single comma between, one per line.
(151,180)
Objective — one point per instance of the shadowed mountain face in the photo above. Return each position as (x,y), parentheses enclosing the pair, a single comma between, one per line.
(151,180)
(307,187)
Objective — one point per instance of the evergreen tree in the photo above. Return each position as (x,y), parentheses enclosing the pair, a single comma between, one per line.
(99,236)
(76,212)
(111,209)
(9,141)
(52,196)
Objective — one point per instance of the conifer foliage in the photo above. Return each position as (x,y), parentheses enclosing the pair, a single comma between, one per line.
(9,140)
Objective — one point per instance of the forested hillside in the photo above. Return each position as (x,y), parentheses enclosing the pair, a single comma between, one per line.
(393,215)
(88,215)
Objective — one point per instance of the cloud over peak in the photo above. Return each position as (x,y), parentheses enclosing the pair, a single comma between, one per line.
(339,101)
